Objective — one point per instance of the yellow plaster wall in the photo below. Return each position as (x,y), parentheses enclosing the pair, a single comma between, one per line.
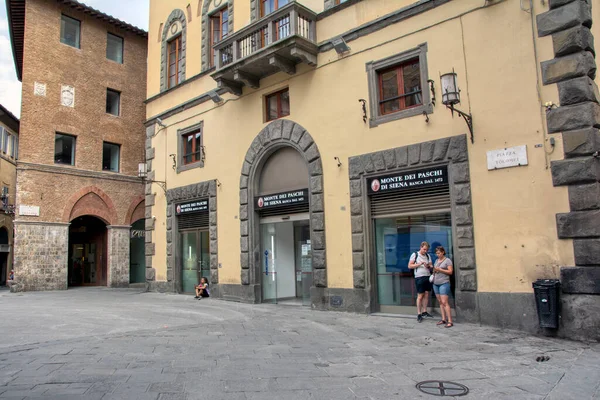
(514,209)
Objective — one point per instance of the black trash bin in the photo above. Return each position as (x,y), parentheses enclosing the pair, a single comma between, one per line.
(546,299)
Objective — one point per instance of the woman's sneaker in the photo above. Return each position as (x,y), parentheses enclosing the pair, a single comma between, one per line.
(420,318)
(426,314)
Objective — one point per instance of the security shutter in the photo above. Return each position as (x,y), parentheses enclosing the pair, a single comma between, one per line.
(411,201)
(192,220)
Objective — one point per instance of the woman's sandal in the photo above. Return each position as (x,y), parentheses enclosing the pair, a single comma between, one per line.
(449,325)
(442,322)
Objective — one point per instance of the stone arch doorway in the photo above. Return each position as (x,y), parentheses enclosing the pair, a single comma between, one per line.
(277,139)
(4,255)
(87,262)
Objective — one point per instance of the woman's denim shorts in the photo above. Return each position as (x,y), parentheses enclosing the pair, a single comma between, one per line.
(443,289)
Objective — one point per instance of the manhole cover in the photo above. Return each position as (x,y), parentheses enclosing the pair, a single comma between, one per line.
(442,388)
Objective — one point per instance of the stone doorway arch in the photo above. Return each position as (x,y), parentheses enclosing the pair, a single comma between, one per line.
(275,136)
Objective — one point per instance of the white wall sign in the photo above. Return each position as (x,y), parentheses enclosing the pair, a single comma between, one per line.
(67,96)
(39,89)
(508,157)
(33,211)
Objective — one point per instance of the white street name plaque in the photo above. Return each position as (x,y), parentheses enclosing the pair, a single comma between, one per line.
(32,211)
(508,157)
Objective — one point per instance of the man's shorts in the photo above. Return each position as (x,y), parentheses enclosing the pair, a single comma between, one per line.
(423,284)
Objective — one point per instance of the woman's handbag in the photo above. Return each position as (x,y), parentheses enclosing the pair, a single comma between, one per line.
(431,277)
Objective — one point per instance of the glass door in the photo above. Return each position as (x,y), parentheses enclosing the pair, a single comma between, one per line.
(189,261)
(304,274)
(269,263)
(396,239)
(195,258)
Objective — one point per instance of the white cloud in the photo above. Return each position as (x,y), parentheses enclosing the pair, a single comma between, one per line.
(134,12)
(10,87)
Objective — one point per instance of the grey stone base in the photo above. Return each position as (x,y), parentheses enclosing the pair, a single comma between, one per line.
(161,287)
(579,317)
(238,293)
(40,255)
(334,299)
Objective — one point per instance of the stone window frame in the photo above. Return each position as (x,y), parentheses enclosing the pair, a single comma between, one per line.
(276,135)
(177,15)
(373,68)
(181,166)
(451,151)
(196,191)
(205,49)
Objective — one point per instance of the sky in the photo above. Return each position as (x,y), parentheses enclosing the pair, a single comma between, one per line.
(134,12)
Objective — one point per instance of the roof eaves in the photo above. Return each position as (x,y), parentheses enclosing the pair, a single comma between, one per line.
(9,13)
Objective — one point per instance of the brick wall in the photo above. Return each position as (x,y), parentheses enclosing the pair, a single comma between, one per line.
(48,61)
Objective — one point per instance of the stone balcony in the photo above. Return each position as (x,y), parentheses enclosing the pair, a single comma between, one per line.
(276,42)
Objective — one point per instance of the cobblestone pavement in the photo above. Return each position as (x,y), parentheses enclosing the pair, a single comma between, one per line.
(100,343)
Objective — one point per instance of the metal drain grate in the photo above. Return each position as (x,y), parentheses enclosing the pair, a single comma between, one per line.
(442,388)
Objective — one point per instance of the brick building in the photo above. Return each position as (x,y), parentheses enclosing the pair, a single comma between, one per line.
(9,145)
(80,205)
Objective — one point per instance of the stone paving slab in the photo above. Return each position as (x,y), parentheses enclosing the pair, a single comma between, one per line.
(124,344)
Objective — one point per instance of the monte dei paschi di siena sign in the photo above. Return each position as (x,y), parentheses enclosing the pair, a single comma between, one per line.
(411,179)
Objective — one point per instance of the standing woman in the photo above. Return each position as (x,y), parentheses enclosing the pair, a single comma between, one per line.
(442,270)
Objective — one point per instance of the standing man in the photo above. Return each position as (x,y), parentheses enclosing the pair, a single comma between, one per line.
(420,262)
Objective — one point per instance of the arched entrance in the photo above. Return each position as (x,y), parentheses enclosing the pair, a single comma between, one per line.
(4,253)
(282,215)
(87,265)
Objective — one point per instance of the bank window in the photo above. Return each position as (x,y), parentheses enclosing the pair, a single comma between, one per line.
(278,104)
(190,148)
(398,86)
(174,60)
(110,157)
(219,28)
(268,6)
(114,48)
(113,102)
(64,149)
(70,30)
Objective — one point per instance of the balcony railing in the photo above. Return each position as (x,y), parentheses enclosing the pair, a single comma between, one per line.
(287,36)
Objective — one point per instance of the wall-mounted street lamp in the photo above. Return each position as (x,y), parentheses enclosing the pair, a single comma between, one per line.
(143,173)
(451,96)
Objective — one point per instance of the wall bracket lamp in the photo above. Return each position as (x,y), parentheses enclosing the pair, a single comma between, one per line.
(214,96)
(340,45)
(451,96)
(143,174)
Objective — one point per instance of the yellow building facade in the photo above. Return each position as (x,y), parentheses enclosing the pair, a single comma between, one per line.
(306,148)
(9,153)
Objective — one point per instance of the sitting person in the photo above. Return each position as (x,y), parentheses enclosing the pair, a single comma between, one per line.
(11,278)
(202,289)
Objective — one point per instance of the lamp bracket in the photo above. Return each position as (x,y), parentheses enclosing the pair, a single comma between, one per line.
(432,88)
(467,117)
(162,184)
(364,109)
(174,161)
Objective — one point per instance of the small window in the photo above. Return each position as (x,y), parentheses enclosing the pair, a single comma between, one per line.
(113,102)
(16,147)
(219,28)
(114,48)
(192,147)
(110,157)
(64,149)
(175,57)
(268,6)
(398,86)
(70,31)
(278,105)
(2,133)
(5,136)
(12,145)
